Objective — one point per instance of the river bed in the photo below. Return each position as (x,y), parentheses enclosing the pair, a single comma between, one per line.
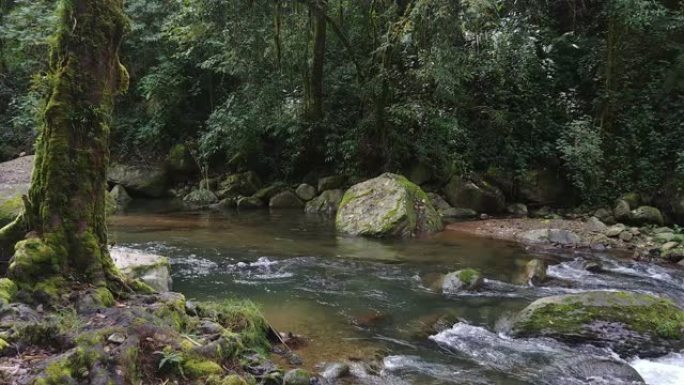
(356,299)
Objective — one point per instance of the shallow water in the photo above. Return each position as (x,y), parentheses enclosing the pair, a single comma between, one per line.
(356,298)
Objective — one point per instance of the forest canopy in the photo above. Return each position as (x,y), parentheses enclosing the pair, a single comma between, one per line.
(591,90)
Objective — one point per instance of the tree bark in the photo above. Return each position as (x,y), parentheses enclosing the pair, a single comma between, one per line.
(65,208)
(318,62)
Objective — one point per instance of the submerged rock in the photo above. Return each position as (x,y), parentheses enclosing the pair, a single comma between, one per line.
(593,370)
(148,181)
(462,280)
(389,205)
(326,203)
(285,200)
(150,268)
(629,323)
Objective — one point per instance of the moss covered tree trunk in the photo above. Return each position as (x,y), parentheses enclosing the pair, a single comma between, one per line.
(65,209)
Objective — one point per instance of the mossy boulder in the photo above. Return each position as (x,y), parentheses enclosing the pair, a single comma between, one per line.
(629,323)
(286,200)
(242,184)
(200,198)
(147,181)
(462,280)
(478,195)
(646,215)
(326,203)
(152,269)
(387,206)
(297,377)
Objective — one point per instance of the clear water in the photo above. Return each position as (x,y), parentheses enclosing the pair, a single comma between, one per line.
(355,299)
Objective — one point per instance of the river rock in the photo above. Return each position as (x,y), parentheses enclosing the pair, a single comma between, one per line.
(148,181)
(326,203)
(243,184)
(306,192)
(668,246)
(439,203)
(595,224)
(285,200)
(647,215)
(535,273)
(518,210)
(622,211)
(605,215)
(297,377)
(150,268)
(387,206)
(200,197)
(462,280)
(331,182)
(593,370)
(249,203)
(615,230)
(673,255)
(549,236)
(335,370)
(629,323)
(477,195)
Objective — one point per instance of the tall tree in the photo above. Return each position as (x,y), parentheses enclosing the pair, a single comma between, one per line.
(64,218)
(318,59)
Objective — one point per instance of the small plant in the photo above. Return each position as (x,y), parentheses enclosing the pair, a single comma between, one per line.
(170,361)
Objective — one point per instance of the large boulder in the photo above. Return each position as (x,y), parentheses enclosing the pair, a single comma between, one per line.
(147,181)
(387,206)
(326,203)
(629,323)
(477,195)
(285,200)
(152,269)
(243,184)
(646,215)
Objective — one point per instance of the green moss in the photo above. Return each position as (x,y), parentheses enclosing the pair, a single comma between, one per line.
(3,344)
(10,209)
(7,290)
(104,296)
(241,317)
(197,368)
(468,276)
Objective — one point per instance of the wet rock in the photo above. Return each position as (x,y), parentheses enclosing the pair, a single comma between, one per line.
(592,370)
(210,327)
(622,211)
(285,200)
(462,280)
(335,370)
(535,272)
(249,203)
(592,266)
(477,195)
(306,192)
(326,203)
(615,230)
(150,268)
(148,181)
(332,183)
(668,246)
(242,184)
(629,323)
(200,197)
(458,213)
(646,215)
(297,377)
(518,210)
(387,206)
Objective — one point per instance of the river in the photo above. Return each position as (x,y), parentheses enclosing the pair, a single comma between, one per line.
(356,299)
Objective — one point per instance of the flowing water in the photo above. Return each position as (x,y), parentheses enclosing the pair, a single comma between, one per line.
(356,299)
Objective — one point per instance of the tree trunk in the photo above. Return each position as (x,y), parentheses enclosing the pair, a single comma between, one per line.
(65,208)
(318,62)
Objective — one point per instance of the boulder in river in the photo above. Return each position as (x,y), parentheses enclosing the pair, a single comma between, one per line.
(387,206)
(629,323)
(150,268)
(306,192)
(200,197)
(462,280)
(285,200)
(326,203)
(148,181)
(477,195)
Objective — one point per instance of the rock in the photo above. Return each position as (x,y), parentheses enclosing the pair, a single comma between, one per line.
(622,211)
(605,216)
(147,181)
(297,377)
(592,370)
(306,192)
(535,273)
(629,323)
(224,204)
(457,213)
(285,200)
(518,210)
(150,268)
(626,236)
(389,205)
(592,266)
(249,203)
(326,203)
(331,183)
(668,246)
(673,255)
(633,200)
(180,161)
(210,327)
(335,370)
(479,196)
(419,173)
(549,236)
(200,197)
(615,230)
(266,193)
(462,280)
(647,215)
(120,195)
(438,202)
(662,229)
(242,184)
(116,338)
(595,224)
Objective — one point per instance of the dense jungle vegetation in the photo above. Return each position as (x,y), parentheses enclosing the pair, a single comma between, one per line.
(590,89)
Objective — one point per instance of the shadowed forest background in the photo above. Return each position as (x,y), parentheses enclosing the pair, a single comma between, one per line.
(588,92)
